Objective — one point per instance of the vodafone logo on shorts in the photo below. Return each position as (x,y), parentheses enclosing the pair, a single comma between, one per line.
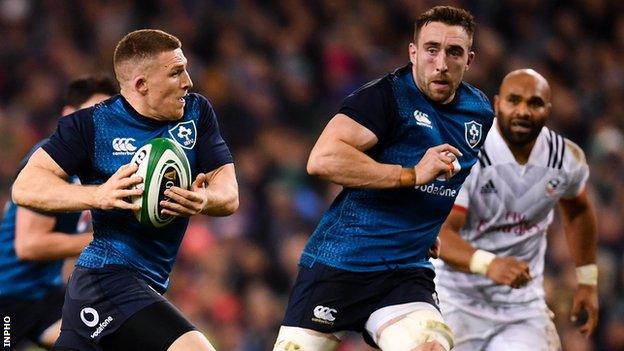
(89,317)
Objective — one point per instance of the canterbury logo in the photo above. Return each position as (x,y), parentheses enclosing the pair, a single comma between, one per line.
(422,119)
(124,145)
(325,313)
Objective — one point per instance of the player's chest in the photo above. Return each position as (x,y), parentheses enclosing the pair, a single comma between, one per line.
(116,143)
(510,188)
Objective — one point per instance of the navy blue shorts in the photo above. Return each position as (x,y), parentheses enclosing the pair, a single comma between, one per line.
(101,302)
(28,319)
(329,300)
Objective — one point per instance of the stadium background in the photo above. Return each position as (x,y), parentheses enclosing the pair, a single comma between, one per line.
(275,72)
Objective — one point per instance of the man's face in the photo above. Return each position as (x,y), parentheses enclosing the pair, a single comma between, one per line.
(522,106)
(440,57)
(167,82)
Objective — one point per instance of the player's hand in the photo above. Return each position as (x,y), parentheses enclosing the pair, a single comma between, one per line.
(509,271)
(586,297)
(434,250)
(184,202)
(111,194)
(437,161)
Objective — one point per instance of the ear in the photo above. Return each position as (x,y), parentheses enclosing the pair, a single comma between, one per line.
(412,48)
(495,104)
(140,84)
(471,56)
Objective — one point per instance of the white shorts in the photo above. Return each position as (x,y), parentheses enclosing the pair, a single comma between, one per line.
(473,332)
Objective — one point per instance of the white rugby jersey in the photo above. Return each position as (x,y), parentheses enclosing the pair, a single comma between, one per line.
(509,207)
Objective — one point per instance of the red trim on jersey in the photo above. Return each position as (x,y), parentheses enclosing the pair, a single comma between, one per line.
(460,208)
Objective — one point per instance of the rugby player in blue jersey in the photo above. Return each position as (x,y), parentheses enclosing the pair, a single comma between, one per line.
(34,244)
(113,299)
(401,146)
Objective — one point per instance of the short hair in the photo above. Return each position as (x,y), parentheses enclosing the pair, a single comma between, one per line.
(449,15)
(83,88)
(144,43)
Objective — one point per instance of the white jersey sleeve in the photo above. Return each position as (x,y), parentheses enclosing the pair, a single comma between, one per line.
(463,197)
(578,170)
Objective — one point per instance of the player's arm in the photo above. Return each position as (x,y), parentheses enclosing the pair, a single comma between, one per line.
(338,156)
(214,193)
(35,238)
(579,223)
(43,185)
(460,254)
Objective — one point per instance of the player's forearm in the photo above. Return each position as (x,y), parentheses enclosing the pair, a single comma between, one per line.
(43,190)
(222,201)
(51,246)
(454,250)
(582,237)
(344,165)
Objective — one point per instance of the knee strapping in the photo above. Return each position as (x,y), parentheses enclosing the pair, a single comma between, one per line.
(415,329)
(298,339)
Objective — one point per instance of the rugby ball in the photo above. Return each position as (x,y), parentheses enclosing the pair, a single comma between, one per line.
(162,164)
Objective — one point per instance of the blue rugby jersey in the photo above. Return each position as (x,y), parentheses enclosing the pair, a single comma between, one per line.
(29,280)
(93,143)
(371,229)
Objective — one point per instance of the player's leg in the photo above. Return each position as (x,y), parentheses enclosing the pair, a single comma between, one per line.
(295,338)
(410,326)
(112,308)
(159,326)
(538,333)
(324,302)
(49,336)
(45,317)
(192,340)
(471,332)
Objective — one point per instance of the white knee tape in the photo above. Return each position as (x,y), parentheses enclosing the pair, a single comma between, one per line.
(415,329)
(299,339)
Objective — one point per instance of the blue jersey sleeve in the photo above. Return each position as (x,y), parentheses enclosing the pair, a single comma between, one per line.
(71,145)
(212,151)
(372,106)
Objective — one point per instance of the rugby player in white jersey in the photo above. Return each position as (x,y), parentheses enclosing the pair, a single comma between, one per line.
(490,282)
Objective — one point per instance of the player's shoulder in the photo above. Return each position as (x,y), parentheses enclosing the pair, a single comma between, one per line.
(472,96)
(82,116)
(574,154)
(563,153)
(375,88)
(198,102)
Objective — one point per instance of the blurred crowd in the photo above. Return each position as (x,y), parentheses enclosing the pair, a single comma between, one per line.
(276,72)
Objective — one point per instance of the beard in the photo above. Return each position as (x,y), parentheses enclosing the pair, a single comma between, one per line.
(519,139)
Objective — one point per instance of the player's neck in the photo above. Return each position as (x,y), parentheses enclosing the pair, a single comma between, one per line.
(521,153)
(139,105)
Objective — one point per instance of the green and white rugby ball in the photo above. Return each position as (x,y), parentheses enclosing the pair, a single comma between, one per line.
(162,164)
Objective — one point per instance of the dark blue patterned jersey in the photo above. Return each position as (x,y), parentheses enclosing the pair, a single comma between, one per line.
(93,143)
(378,229)
(29,280)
